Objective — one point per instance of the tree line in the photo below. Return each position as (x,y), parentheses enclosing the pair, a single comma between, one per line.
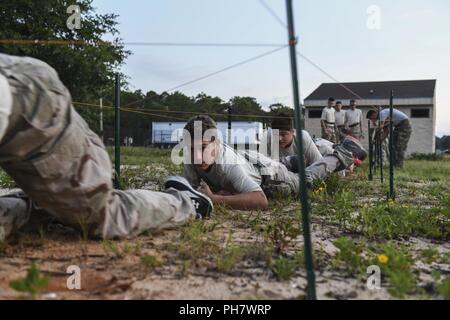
(87,66)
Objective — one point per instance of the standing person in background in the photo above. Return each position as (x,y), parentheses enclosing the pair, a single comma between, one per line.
(328,122)
(402,131)
(339,116)
(353,121)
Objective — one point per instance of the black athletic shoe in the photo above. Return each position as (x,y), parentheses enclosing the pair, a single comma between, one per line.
(355,147)
(203,205)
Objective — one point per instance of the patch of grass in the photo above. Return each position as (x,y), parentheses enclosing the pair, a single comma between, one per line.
(444,288)
(281,231)
(430,254)
(197,240)
(229,258)
(6,182)
(284,268)
(151,262)
(398,268)
(32,284)
(350,256)
(427,157)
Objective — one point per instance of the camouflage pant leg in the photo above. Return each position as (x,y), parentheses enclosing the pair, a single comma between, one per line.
(283,184)
(321,169)
(286,183)
(355,132)
(402,134)
(340,134)
(65,169)
(14,214)
(329,134)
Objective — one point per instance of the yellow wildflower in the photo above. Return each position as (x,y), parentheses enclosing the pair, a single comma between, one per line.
(383,259)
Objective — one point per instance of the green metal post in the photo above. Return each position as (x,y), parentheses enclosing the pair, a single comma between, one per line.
(117,131)
(311,288)
(370,152)
(380,150)
(391,147)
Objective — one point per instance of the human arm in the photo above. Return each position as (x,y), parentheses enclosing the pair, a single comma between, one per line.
(242,201)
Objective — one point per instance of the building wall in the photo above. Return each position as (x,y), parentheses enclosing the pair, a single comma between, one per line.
(422,138)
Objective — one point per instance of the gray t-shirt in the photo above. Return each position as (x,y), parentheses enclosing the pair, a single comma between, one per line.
(398,116)
(231,172)
(312,154)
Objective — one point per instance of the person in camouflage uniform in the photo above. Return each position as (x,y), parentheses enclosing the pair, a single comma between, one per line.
(245,179)
(328,121)
(402,131)
(63,167)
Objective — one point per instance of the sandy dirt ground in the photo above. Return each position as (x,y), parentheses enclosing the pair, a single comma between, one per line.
(110,274)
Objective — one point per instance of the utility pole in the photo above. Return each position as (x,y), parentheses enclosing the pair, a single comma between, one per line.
(230,110)
(311,287)
(117,131)
(101,120)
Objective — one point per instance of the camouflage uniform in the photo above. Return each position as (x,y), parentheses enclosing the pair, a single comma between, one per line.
(402,133)
(63,166)
(285,183)
(355,131)
(330,133)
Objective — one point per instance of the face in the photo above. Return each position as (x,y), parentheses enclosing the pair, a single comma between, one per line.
(203,153)
(330,104)
(374,117)
(353,104)
(286,138)
(338,106)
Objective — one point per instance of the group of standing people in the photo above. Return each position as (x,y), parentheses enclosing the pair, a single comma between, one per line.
(337,123)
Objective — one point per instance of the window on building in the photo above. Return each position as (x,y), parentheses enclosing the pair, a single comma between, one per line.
(314,114)
(420,113)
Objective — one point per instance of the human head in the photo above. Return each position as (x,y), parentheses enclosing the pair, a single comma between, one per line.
(352,103)
(338,106)
(372,115)
(283,123)
(203,141)
(331,101)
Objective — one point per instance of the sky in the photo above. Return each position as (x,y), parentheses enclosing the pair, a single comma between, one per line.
(400,40)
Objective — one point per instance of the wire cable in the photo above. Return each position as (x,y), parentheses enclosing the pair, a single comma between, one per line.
(152,112)
(215,72)
(273,14)
(152,44)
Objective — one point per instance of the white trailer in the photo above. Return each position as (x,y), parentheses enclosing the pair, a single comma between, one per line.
(242,132)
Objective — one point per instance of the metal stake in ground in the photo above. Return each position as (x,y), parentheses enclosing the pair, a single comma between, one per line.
(229,125)
(117,132)
(391,147)
(311,289)
(380,148)
(370,152)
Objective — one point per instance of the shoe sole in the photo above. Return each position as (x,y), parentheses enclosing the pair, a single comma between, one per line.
(182,186)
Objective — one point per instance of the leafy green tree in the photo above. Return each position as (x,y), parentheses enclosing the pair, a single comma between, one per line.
(86,65)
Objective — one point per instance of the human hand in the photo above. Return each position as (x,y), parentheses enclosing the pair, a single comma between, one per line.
(204,188)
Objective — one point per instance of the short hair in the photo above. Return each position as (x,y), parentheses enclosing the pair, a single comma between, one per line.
(331,99)
(371,113)
(353,100)
(339,102)
(282,122)
(206,121)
